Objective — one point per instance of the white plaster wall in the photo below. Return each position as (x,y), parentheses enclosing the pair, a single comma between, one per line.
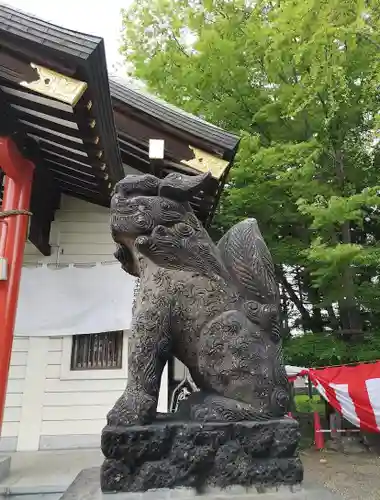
(48,406)
(15,391)
(80,233)
(75,404)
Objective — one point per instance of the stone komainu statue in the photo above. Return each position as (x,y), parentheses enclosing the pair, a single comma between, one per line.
(214,307)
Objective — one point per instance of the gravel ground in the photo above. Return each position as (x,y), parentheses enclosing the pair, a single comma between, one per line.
(354,477)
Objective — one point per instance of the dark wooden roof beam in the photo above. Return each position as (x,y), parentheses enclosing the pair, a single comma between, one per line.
(15,90)
(143,164)
(27,52)
(40,134)
(101,180)
(78,180)
(101,109)
(31,107)
(192,129)
(128,146)
(59,150)
(67,129)
(89,129)
(14,67)
(135,163)
(85,119)
(97,171)
(138,158)
(63,117)
(45,130)
(180,167)
(126,124)
(76,156)
(131,143)
(76,170)
(165,130)
(71,183)
(125,154)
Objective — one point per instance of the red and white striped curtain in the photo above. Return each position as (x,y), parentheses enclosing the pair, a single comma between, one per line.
(354,391)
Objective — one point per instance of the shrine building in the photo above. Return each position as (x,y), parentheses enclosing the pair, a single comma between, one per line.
(68,133)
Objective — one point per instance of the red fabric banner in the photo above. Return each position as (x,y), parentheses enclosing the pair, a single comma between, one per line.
(354,391)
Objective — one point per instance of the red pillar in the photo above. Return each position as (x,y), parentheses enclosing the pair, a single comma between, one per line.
(318,434)
(13,233)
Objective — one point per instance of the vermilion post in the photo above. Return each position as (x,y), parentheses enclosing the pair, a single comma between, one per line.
(13,232)
(318,434)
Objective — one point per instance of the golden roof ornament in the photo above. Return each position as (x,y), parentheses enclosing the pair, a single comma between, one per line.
(57,86)
(205,162)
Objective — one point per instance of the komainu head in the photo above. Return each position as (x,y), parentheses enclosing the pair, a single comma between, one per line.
(142,203)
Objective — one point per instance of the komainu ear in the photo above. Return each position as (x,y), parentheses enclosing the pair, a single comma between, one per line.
(145,185)
(181,187)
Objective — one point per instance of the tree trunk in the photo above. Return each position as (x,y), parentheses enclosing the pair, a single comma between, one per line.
(305,315)
(317,324)
(284,314)
(333,320)
(349,312)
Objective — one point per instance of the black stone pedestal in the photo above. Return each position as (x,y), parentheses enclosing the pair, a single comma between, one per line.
(200,455)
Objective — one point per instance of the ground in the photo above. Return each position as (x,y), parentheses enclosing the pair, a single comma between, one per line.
(354,477)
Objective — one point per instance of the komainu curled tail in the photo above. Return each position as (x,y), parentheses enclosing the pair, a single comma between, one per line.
(249,263)
(248,260)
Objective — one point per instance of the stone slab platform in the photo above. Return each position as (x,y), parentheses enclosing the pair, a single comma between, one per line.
(87,487)
(5,465)
(200,455)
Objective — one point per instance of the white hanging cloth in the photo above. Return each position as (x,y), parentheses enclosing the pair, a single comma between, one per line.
(74,300)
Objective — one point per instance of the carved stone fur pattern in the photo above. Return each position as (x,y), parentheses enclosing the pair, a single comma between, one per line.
(214,307)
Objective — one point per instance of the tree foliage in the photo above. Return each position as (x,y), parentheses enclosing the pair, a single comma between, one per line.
(318,350)
(299,81)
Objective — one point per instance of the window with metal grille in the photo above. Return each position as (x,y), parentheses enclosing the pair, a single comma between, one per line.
(97,351)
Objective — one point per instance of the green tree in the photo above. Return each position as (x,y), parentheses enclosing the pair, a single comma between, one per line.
(299,80)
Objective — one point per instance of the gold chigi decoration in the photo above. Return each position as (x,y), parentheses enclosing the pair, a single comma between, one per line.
(205,162)
(60,87)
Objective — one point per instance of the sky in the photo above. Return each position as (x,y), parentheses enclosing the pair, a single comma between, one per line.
(94,17)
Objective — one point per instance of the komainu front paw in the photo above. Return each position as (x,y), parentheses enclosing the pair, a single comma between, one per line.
(133,408)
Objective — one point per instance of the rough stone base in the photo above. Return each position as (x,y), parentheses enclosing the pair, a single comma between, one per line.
(200,455)
(86,487)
